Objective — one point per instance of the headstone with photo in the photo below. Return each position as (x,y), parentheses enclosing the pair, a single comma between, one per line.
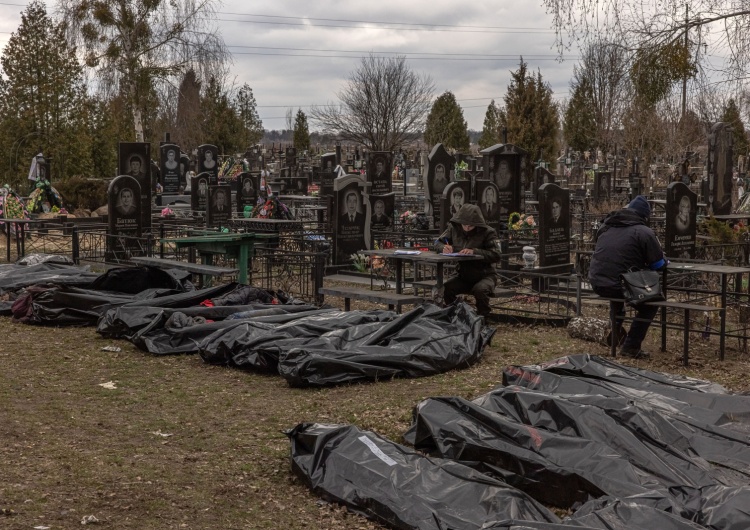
(602,185)
(439,174)
(199,192)
(134,160)
(487,194)
(382,207)
(379,167)
(681,227)
(720,153)
(169,165)
(542,176)
(506,165)
(554,225)
(208,162)
(124,215)
(297,186)
(455,195)
(219,205)
(327,174)
(351,218)
(247,191)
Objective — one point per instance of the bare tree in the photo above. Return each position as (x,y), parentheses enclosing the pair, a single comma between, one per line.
(383,103)
(133,45)
(659,24)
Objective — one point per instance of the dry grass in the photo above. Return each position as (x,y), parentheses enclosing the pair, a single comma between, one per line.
(72,448)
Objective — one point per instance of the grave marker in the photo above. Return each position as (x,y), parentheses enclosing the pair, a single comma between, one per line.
(602,185)
(455,195)
(680,228)
(134,160)
(487,194)
(439,174)
(505,165)
(379,172)
(554,225)
(219,205)
(169,167)
(208,162)
(720,152)
(199,192)
(124,214)
(382,207)
(352,217)
(247,191)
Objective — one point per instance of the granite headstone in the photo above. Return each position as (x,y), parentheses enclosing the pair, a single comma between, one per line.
(208,162)
(487,194)
(554,225)
(720,152)
(219,205)
(505,165)
(382,207)
(124,214)
(379,176)
(455,195)
(681,227)
(247,191)
(199,192)
(169,167)
(439,174)
(134,160)
(602,185)
(352,218)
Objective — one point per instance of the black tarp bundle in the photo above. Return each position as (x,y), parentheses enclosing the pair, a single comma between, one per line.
(64,304)
(581,428)
(15,277)
(334,347)
(399,487)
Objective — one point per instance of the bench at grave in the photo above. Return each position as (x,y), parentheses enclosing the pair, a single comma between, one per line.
(205,272)
(391,299)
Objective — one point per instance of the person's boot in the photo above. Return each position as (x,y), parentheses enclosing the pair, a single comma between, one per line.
(633,353)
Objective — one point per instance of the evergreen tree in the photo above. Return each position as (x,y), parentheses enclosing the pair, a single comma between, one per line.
(491,129)
(222,125)
(530,115)
(446,124)
(731,116)
(579,126)
(301,132)
(42,97)
(252,126)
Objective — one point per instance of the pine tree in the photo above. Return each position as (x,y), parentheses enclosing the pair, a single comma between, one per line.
(252,126)
(221,125)
(491,129)
(579,126)
(42,97)
(301,132)
(731,116)
(530,115)
(446,124)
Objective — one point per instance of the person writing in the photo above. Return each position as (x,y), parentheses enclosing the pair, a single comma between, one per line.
(467,234)
(625,242)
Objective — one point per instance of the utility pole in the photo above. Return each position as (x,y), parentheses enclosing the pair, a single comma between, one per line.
(684,78)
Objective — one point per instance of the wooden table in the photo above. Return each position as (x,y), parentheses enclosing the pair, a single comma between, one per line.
(239,246)
(724,271)
(426,257)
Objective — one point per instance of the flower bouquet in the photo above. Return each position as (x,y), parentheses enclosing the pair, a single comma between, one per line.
(522,226)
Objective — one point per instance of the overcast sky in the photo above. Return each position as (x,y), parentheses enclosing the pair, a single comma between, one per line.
(296,53)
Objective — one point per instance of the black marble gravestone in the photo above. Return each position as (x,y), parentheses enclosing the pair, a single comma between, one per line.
(487,194)
(351,218)
(208,162)
(455,195)
(382,207)
(247,191)
(199,192)
(297,186)
(134,160)
(602,185)
(681,227)
(505,165)
(720,152)
(379,168)
(169,167)
(219,205)
(124,215)
(439,174)
(554,225)
(542,176)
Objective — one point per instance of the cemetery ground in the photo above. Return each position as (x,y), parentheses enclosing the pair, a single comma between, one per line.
(176,443)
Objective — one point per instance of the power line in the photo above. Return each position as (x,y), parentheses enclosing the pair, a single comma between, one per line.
(515,58)
(506,55)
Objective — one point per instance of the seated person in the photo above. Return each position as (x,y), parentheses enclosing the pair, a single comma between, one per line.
(468,234)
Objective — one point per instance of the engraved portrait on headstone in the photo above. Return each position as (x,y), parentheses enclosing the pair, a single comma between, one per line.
(247,191)
(455,195)
(554,225)
(124,214)
(379,172)
(169,158)
(505,165)
(487,194)
(134,160)
(680,230)
(382,211)
(220,205)
(602,185)
(208,162)
(440,165)
(199,192)
(352,217)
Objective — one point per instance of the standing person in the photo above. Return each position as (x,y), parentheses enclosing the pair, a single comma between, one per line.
(625,242)
(468,234)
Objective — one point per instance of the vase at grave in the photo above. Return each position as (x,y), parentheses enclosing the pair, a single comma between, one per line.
(529,257)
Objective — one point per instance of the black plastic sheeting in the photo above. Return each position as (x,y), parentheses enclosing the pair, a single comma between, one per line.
(401,488)
(66,305)
(15,277)
(581,428)
(334,347)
